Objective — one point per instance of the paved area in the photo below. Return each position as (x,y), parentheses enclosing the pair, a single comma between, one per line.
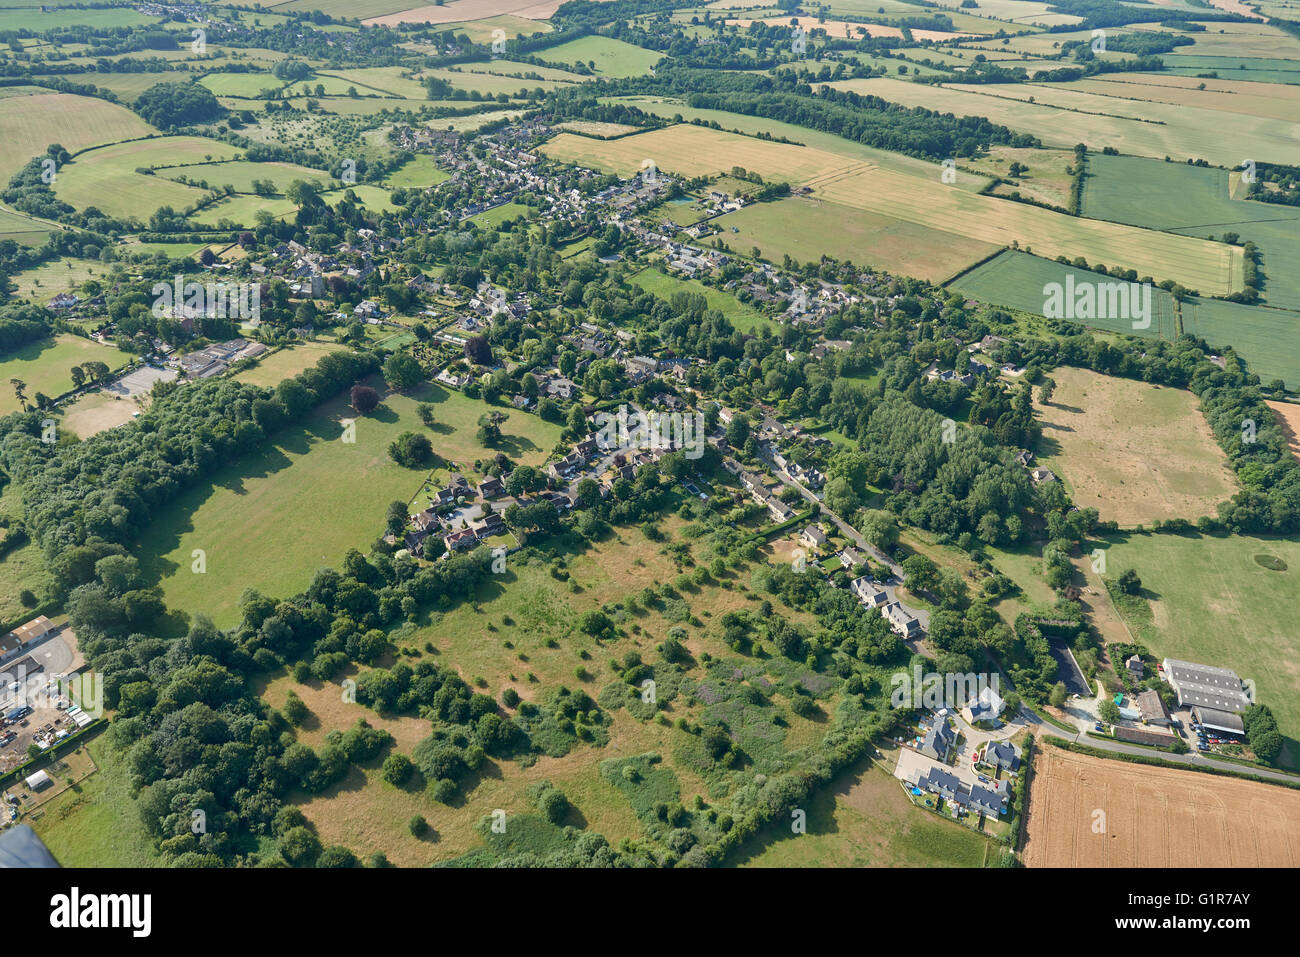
(141,381)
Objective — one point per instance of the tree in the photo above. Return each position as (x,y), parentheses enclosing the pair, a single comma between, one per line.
(411,449)
(1058,694)
(1109,711)
(880,528)
(478,350)
(1046,390)
(397,769)
(396,520)
(402,371)
(1129,582)
(919,573)
(364,399)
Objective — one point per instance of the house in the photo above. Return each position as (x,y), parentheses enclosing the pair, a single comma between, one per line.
(1133,664)
(1152,707)
(814,479)
(1002,755)
(938,740)
(640,368)
(778,509)
(983,709)
(813,537)
(1040,475)
(426,521)
(851,558)
(491,487)
(901,620)
(1024,457)
(561,388)
(491,524)
(459,540)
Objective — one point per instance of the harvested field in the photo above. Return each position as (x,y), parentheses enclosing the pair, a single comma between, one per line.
(458,10)
(1096,812)
(1288,418)
(1134,451)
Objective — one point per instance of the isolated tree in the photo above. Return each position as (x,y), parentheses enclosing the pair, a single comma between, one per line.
(1109,711)
(364,399)
(1129,582)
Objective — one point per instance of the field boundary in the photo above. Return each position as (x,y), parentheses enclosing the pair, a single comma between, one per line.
(1174,765)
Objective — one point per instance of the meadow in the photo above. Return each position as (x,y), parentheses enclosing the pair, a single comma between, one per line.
(1207,599)
(45,365)
(273,369)
(313,496)
(28,124)
(613,58)
(1136,452)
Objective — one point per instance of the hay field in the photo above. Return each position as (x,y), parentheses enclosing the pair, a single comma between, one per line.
(1154,817)
(28,124)
(1134,451)
(697,151)
(454,11)
(1273,101)
(1146,129)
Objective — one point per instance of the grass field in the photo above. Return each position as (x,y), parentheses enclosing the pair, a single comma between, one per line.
(924,201)
(248,85)
(1154,817)
(98,411)
(24,567)
(1195,201)
(1136,452)
(45,366)
(1062,117)
(613,58)
(1265,338)
(420,172)
(241,173)
(271,370)
(44,20)
(313,496)
(1191,581)
(1016,280)
(863,819)
(28,124)
(59,275)
(24,231)
(743,317)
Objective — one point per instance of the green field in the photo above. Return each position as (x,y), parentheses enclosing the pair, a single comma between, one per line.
(743,317)
(28,124)
(312,496)
(1208,600)
(248,85)
(1266,338)
(1194,201)
(612,57)
(44,20)
(864,819)
(46,366)
(1016,280)
(419,172)
(24,231)
(240,174)
(24,567)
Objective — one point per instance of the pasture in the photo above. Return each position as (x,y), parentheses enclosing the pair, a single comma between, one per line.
(313,496)
(1136,452)
(924,201)
(1154,817)
(285,363)
(612,58)
(45,366)
(22,230)
(28,124)
(1207,599)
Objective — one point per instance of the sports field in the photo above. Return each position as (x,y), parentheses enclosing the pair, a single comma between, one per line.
(1136,452)
(28,124)
(45,366)
(312,496)
(1086,811)
(1207,599)
(698,151)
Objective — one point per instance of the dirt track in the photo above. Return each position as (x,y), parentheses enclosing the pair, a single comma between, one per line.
(1154,817)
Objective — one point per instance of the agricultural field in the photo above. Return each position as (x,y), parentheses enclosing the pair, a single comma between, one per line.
(28,124)
(1288,419)
(927,202)
(22,229)
(611,57)
(308,474)
(23,567)
(1061,117)
(1136,452)
(1154,817)
(1208,599)
(1264,337)
(45,366)
(743,317)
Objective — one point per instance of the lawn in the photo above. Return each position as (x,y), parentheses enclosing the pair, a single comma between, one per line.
(864,819)
(743,317)
(271,370)
(1134,451)
(419,172)
(1207,599)
(45,366)
(311,496)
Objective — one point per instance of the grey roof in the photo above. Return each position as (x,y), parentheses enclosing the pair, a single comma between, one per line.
(1206,685)
(20,847)
(938,739)
(1002,753)
(1221,720)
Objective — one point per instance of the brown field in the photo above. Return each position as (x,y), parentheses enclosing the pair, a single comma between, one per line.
(1154,817)
(859,185)
(1288,420)
(458,10)
(843,28)
(1272,101)
(98,412)
(1134,451)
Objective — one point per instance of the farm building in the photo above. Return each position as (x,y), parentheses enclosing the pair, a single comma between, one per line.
(1215,720)
(39,781)
(1152,707)
(22,636)
(1205,686)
